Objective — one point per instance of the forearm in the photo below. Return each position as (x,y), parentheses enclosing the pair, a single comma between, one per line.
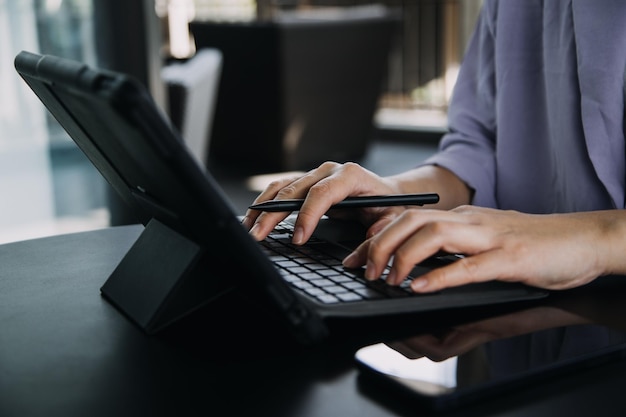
(430,178)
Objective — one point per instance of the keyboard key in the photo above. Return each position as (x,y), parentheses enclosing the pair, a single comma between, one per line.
(353,285)
(335,289)
(328,299)
(300,270)
(287,264)
(341,279)
(316,265)
(291,277)
(315,291)
(303,285)
(349,296)
(369,293)
(328,272)
(322,282)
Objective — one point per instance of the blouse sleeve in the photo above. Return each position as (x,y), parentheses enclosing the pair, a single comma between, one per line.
(468,149)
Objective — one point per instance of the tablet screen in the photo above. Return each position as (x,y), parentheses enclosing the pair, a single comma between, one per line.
(473,361)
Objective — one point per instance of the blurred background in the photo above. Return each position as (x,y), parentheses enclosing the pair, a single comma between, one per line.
(309,80)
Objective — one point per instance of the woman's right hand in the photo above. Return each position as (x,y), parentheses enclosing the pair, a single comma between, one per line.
(322,187)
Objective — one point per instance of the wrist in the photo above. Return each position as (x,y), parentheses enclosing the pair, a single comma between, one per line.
(431,178)
(611,241)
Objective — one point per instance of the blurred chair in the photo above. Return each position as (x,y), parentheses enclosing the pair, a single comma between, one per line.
(299,89)
(192,88)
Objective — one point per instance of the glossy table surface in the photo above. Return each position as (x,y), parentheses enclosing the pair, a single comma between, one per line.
(65,351)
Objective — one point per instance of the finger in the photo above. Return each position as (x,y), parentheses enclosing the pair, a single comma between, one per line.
(413,237)
(376,252)
(443,236)
(269,193)
(300,186)
(358,257)
(341,181)
(383,221)
(382,246)
(482,267)
(265,223)
(275,187)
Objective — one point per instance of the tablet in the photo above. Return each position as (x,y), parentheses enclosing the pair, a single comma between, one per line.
(480,360)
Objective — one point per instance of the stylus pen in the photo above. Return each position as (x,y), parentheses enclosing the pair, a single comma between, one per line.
(354,202)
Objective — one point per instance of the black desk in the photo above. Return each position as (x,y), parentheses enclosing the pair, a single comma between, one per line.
(64,351)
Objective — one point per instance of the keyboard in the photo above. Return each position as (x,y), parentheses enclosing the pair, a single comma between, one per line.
(316,270)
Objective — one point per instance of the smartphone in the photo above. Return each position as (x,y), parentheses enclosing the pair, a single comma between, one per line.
(473,362)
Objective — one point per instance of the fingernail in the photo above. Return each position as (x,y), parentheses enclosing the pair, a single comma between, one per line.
(351,261)
(253,232)
(419,283)
(298,236)
(369,271)
(246,222)
(391,277)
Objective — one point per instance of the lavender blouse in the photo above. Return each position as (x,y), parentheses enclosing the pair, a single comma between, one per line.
(537,112)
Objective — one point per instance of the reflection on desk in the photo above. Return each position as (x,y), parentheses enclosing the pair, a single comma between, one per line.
(482,359)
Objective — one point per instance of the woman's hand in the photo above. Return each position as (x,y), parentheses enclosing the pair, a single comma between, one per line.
(322,187)
(332,182)
(549,251)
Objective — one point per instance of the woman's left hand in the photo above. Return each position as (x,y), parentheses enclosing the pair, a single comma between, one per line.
(555,251)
